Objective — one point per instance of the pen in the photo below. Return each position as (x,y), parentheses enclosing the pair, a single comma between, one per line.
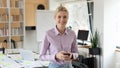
(15,60)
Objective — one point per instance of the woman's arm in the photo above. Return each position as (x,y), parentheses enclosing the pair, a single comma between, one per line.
(74,49)
(43,51)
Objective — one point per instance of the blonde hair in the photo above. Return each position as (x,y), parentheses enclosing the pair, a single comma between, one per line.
(61,8)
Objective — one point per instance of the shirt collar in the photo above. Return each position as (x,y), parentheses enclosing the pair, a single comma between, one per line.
(58,33)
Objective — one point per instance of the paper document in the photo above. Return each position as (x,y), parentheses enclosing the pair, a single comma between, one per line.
(27,55)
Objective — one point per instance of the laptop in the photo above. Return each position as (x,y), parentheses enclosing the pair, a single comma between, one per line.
(27,55)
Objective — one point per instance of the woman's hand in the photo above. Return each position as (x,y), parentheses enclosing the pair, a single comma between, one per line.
(63,55)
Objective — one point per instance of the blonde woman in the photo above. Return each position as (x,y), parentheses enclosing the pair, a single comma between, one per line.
(60,42)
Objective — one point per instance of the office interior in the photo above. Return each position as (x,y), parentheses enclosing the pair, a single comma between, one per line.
(105,19)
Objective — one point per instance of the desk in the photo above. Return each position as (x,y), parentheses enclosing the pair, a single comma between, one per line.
(14,61)
(91,62)
(84,46)
(84,50)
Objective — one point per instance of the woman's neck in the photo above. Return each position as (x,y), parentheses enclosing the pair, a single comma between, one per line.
(61,29)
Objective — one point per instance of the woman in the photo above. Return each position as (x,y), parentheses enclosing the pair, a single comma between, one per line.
(60,42)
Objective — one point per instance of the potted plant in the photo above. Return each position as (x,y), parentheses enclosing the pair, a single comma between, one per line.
(94,50)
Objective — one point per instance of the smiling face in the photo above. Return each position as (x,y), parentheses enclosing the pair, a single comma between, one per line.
(61,19)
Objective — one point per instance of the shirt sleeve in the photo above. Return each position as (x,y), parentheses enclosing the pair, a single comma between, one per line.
(74,48)
(43,51)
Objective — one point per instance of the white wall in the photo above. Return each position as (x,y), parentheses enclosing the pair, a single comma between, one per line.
(53,5)
(106,19)
(111,15)
(31,40)
(98,24)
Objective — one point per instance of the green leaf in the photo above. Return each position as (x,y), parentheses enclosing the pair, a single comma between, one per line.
(95,39)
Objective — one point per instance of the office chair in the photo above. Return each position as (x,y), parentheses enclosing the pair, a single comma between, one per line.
(78,63)
(3,50)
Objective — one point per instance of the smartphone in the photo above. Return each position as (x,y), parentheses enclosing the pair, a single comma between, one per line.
(67,54)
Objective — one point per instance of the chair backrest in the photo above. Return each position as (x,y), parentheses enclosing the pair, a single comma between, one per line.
(2,50)
(79,63)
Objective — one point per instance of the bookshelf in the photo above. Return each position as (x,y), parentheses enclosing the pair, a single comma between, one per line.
(12,28)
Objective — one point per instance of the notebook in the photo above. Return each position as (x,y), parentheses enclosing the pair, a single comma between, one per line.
(27,55)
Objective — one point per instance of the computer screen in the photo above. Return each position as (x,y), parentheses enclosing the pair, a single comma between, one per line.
(83,35)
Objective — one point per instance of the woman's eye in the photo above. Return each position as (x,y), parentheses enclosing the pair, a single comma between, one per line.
(62,16)
(59,16)
(65,17)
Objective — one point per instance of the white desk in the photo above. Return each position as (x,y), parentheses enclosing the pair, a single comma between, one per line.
(84,50)
(14,61)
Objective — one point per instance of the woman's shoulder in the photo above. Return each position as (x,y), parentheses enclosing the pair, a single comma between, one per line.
(50,31)
(70,31)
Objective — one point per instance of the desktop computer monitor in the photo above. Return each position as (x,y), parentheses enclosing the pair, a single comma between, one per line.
(83,36)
